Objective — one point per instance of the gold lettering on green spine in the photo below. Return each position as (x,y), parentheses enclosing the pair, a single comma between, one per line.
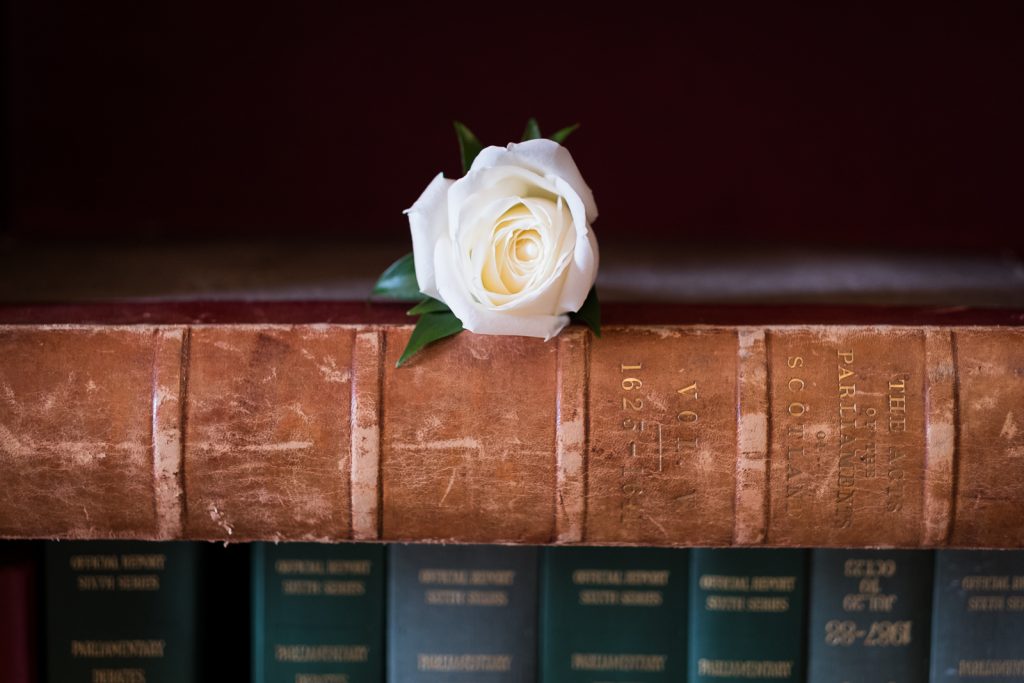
(613,614)
(978,616)
(746,615)
(317,612)
(121,612)
(461,613)
(870,612)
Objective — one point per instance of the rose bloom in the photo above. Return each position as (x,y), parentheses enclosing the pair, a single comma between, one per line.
(508,247)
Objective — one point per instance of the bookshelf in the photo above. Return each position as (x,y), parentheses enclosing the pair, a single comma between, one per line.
(560,614)
(230,164)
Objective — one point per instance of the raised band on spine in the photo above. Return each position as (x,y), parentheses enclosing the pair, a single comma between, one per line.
(571,436)
(367,352)
(751,521)
(169,384)
(940,437)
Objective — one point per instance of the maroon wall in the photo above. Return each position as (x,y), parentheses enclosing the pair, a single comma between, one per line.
(845,126)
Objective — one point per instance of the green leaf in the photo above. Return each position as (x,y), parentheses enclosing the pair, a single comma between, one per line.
(532,131)
(428,305)
(469,146)
(430,328)
(399,281)
(589,313)
(561,135)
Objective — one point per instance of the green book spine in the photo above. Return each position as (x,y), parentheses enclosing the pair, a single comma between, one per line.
(121,612)
(870,616)
(978,616)
(613,614)
(462,613)
(746,615)
(317,613)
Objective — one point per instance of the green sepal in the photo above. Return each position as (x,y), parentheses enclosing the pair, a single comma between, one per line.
(430,328)
(399,281)
(469,146)
(532,131)
(589,313)
(561,135)
(428,305)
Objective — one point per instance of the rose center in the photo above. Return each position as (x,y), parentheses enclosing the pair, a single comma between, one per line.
(521,247)
(527,247)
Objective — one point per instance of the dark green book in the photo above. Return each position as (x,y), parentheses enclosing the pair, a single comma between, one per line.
(747,615)
(121,612)
(317,613)
(462,613)
(870,616)
(613,614)
(978,616)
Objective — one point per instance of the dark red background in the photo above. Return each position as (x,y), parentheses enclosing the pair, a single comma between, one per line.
(839,126)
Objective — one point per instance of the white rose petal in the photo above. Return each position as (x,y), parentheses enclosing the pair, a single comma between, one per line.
(482,320)
(427,224)
(508,247)
(546,157)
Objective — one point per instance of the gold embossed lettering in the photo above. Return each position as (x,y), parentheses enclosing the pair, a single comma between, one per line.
(688,390)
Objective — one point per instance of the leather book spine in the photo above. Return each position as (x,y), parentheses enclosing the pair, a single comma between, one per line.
(978,616)
(870,616)
(121,611)
(317,612)
(747,614)
(19,612)
(801,435)
(461,613)
(613,614)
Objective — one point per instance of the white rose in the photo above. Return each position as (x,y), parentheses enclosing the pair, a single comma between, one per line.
(508,247)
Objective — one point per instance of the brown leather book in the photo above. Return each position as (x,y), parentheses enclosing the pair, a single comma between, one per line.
(679,426)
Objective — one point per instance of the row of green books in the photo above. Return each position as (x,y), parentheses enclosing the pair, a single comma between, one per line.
(129,612)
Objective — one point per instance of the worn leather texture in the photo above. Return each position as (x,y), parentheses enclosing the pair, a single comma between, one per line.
(806,435)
